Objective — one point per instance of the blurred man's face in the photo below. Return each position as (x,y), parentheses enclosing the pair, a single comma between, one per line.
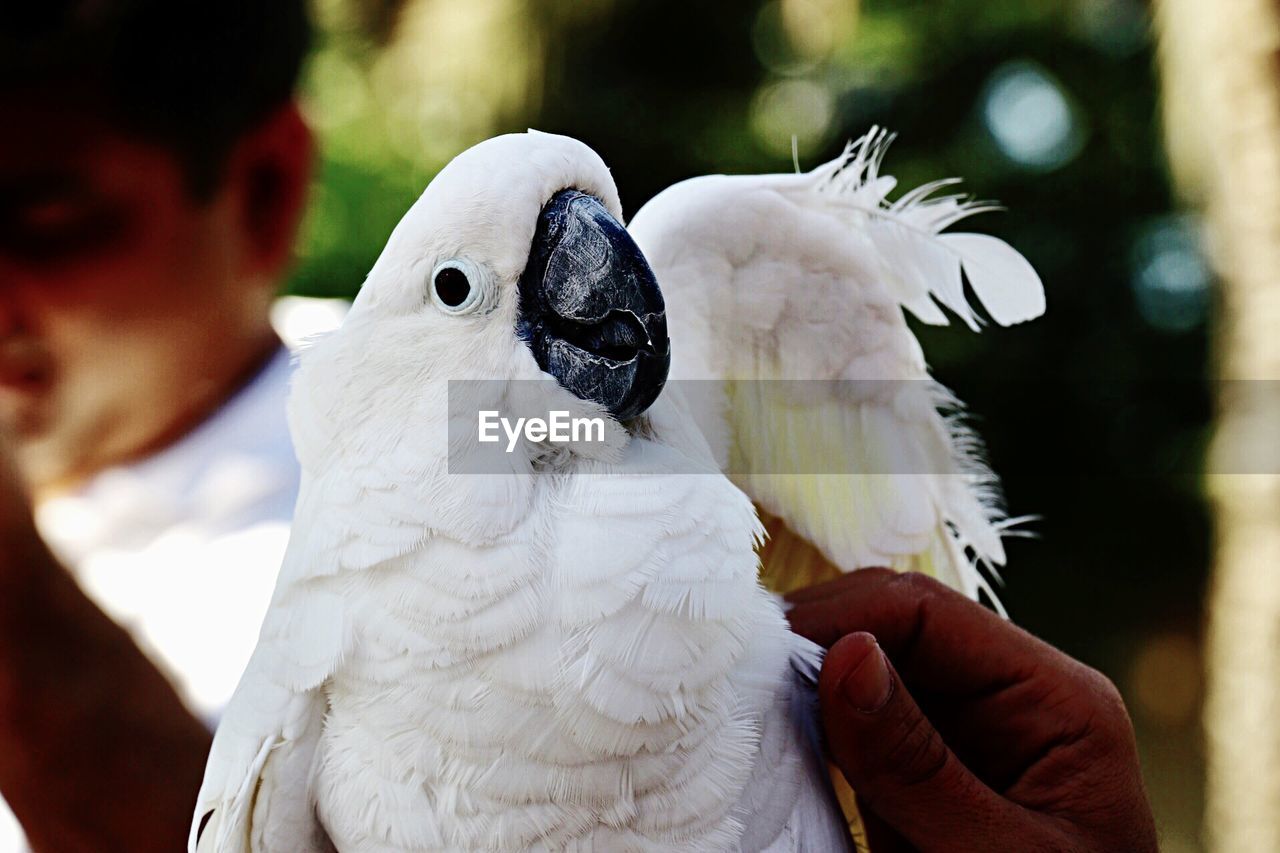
(124,302)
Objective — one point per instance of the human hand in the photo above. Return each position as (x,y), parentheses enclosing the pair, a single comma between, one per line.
(960,731)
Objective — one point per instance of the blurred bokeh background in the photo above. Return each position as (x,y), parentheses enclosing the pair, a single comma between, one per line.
(1096,416)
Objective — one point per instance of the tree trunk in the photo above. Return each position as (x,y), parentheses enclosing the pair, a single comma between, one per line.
(1222,95)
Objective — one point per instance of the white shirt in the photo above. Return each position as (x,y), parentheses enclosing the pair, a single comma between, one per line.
(182,548)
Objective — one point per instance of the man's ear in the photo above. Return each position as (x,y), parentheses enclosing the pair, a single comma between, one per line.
(268,175)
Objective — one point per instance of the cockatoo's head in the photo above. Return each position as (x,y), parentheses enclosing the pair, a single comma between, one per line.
(514,263)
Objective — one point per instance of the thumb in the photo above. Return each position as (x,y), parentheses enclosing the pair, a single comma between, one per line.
(897,762)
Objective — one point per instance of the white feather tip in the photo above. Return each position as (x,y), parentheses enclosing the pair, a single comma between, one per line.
(916,260)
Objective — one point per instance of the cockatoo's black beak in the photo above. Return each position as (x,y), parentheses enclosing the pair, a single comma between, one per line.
(590,308)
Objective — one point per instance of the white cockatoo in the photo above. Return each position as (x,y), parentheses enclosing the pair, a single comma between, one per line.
(790,290)
(568,651)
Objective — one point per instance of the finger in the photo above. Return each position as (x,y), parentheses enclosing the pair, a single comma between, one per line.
(939,640)
(898,763)
(1000,697)
(824,612)
(881,837)
(880,601)
(857,582)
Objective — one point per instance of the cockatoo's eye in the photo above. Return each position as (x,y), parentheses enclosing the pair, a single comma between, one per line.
(457,286)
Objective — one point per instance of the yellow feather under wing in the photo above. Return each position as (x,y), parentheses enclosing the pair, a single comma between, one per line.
(789,562)
(860,474)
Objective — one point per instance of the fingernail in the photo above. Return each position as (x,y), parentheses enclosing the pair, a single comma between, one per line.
(868,685)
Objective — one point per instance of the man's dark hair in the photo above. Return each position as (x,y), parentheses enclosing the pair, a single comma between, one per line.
(193,75)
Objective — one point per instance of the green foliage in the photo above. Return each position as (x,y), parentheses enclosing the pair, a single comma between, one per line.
(353,209)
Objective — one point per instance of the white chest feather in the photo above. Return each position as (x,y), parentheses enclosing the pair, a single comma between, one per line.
(596,677)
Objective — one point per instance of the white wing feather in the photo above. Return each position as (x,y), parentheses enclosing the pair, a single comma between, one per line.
(256,792)
(915,256)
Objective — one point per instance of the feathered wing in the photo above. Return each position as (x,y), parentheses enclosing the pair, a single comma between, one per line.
(256,794)
(777,278)
(257,791)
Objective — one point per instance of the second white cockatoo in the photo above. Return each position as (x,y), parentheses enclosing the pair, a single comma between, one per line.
(567,650)
(792,287)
